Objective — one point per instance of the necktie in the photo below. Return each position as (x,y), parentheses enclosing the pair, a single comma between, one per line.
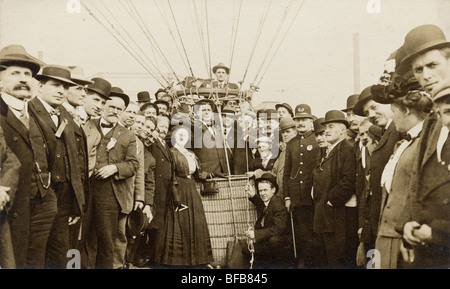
(104,125)
(54,113)
(264,216)
(24,119)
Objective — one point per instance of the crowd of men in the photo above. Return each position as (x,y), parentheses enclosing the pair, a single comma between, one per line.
(78,156)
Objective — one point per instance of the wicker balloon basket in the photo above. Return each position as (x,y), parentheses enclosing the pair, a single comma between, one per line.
(229,214)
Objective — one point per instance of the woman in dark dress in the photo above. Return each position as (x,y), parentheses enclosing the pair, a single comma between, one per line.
(187,241)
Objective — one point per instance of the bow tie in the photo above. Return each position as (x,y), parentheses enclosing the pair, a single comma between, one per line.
(406,136)
(107,125)
(55,111)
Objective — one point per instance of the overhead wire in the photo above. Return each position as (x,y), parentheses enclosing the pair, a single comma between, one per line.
(281,42)
(209,42)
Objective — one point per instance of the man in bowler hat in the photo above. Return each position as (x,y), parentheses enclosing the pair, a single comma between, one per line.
(426,231)
(334,185)
(14,119)
(379,114)
(221,71)
(271,234)
(60,172)
(116,164)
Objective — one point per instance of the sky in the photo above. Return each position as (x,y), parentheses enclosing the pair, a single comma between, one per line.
(314,63)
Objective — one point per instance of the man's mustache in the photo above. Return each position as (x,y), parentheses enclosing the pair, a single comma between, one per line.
(22,86)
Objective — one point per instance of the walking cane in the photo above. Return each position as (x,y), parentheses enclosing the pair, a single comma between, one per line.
(293,234)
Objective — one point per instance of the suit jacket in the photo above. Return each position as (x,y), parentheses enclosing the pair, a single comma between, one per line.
(229,85)
(256,164)
(17,139)
(164,181)
(379,158)
(149,176)
(124,156)
(93,137)
(210,149)
(48,129)
(302,155)
(276,218)
(340,164)
(429,197)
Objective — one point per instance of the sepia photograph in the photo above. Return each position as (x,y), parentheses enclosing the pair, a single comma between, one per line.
(242,135)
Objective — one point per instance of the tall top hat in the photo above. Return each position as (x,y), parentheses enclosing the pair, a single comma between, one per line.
(364,97)
(351,101)
(285,105)
(77,75)
(100,86)
(420,40)
(303,111)
(17,55)
(221,65)
(318,127)
(56,72)
(335,116)
(118,92)
(143,96)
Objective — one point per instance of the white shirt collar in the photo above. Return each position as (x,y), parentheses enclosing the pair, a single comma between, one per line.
(330,148)
(414,131)
(68,106)
(13,102)
(47,106)
(388,124)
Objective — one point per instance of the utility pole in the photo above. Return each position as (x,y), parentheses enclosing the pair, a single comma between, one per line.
(356,71)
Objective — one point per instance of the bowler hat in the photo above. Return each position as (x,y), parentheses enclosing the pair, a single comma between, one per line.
(143,96)
(100,86)
(420,40)
(267,177)
(285,105)
(318,127)
(265,139)
(56,72)
(286,123)
(335,116)
(375,132)
(221,65)
(147,104)
(364,97)
(303,111)
(137,222)
(17,55)
(441,91)
(118,92)
(207,101)
(351,101)
(77,75)
(162,102)
(158,91)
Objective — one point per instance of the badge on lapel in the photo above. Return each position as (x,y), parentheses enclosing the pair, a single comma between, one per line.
(309,148)
(111,144)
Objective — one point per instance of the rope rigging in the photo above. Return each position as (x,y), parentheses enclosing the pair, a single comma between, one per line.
(234,33)
(152,40)
(261,25)
(134,55)
(282,40)
(274,38)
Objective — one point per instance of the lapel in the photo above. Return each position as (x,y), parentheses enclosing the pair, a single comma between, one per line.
(431,146)
(42,113)
(385,136)
(164,149)
(17,125)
